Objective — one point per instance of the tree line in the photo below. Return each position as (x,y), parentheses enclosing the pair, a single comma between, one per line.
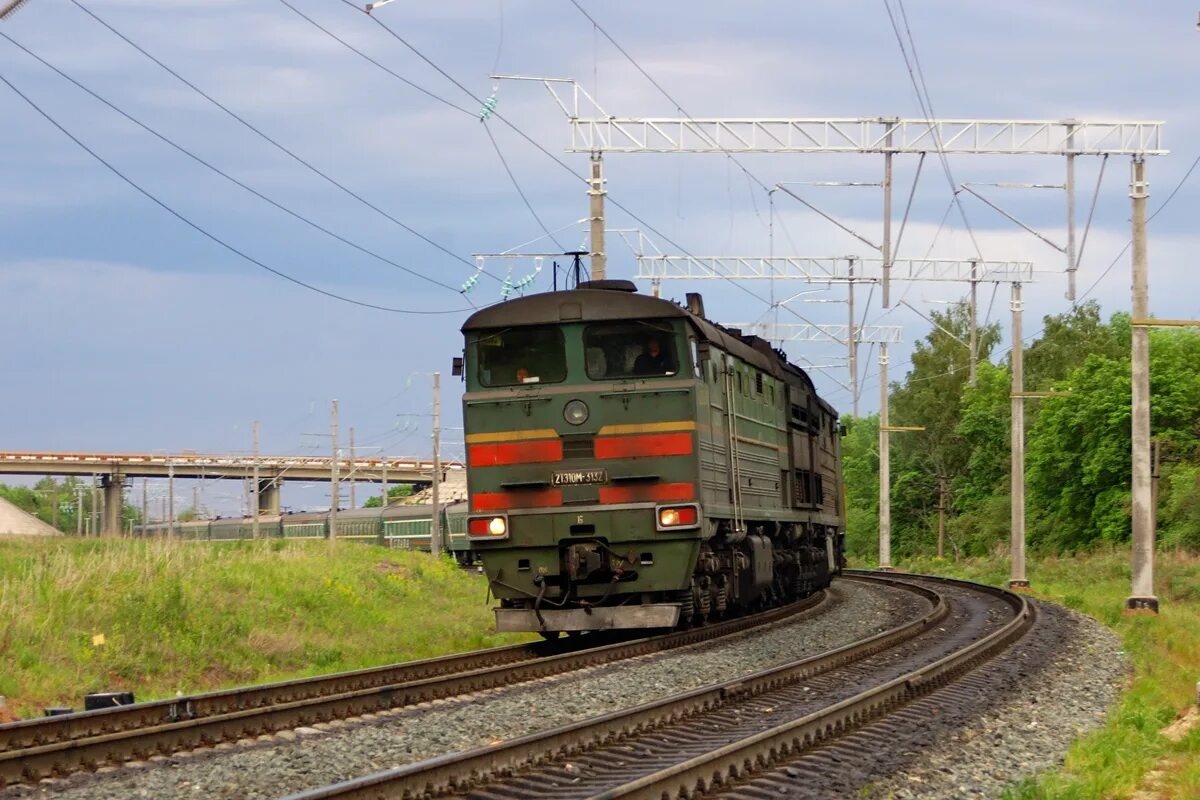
(1077,441)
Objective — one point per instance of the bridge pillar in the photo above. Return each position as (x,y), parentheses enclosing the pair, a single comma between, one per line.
(268,496)
(114,503)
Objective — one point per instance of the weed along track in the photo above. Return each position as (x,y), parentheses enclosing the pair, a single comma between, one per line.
(719,737)
(34,749)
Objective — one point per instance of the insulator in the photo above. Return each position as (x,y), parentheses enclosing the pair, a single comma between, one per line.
(489,106)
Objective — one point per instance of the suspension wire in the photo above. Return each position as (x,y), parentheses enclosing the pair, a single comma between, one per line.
(912,193)
(1091,212)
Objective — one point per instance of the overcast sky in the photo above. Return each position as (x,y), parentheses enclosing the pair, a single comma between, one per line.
(125,329)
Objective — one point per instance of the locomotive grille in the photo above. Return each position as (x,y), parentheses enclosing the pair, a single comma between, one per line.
(574,447)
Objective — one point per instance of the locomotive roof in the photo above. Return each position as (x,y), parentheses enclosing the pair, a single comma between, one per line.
(576,305)
(601,305)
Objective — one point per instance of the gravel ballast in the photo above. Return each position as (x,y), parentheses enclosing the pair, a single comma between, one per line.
(1010,718)
(1081,676)
(295,760)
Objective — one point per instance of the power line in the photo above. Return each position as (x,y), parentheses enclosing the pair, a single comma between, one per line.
(1129,243)
(161,137)
(517,186)
(597,26)
(388,70)
(273,142)
(202,231)
(391,32)
(926,104)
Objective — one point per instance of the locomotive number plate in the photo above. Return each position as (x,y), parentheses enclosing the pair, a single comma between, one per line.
(579,477)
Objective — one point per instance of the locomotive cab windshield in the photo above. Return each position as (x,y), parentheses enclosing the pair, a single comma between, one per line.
(516,356)
(630,350)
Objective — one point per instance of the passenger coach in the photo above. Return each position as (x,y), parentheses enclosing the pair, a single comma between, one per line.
(633,465)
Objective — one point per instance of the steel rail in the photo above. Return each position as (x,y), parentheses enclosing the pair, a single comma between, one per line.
(460,771)
(770,747)
(33,749)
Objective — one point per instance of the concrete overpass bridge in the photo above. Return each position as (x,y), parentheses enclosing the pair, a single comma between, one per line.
(115,469)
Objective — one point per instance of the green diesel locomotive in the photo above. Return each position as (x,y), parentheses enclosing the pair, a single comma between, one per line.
(634,465)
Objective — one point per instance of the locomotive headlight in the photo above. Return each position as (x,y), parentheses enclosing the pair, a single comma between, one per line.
(678,517)
(575,412)
(487,528)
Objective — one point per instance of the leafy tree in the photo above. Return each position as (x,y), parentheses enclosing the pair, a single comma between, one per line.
(930,398)
(860,470)
(1079,450)
(394,492)
(985,426)
(1068,339)
(1078,457)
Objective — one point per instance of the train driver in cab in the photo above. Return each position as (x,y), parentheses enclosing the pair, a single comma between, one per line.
(653,360)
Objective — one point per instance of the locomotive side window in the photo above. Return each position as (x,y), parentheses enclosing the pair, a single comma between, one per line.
(629,350)
(517,356)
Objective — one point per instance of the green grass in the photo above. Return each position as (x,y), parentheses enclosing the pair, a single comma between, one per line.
(1115,760)
(187,616)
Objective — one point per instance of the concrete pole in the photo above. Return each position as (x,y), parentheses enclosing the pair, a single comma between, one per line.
(1156,447)
(114,503)
(941,540)
(596,211)
(79,510)
(353,468)
(852,343)
(886,251)
(256,488)
(1142,597)
(384,491)
(974,341)
(145,506)
(435,527)
(94,514)
(335,489)
(1017,577)
(1071,265)
(170,498)
(885,466)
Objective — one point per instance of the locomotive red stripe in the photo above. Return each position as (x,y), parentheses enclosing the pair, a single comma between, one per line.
(500,501)
(494,455)
(656,492)
(661,444)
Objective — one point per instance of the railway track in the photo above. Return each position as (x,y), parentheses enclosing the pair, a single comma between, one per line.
(55,746)
(738,736)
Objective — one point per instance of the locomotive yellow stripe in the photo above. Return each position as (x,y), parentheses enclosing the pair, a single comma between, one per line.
(648,427)
(512,436)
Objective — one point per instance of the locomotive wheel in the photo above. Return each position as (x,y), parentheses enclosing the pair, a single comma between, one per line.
(687,609)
